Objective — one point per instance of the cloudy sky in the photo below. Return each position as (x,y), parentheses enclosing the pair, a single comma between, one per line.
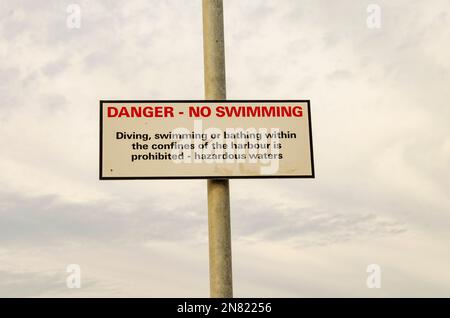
(381,128)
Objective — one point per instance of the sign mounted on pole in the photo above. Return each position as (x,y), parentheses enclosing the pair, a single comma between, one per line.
(205,139)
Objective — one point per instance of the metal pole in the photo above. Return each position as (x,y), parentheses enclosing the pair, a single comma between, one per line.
(220,272)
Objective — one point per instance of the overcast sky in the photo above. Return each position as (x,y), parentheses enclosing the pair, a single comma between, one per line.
(381,129)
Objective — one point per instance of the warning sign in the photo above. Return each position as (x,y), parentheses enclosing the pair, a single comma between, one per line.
(205,139)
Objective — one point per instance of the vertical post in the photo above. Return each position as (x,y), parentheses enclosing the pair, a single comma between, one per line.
(220,273)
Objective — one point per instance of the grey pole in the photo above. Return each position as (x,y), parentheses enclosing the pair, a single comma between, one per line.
(220,272)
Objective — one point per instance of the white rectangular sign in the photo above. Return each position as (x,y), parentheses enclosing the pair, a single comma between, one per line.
(205,139)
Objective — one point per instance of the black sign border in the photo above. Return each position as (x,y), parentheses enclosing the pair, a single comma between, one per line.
(101,177)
